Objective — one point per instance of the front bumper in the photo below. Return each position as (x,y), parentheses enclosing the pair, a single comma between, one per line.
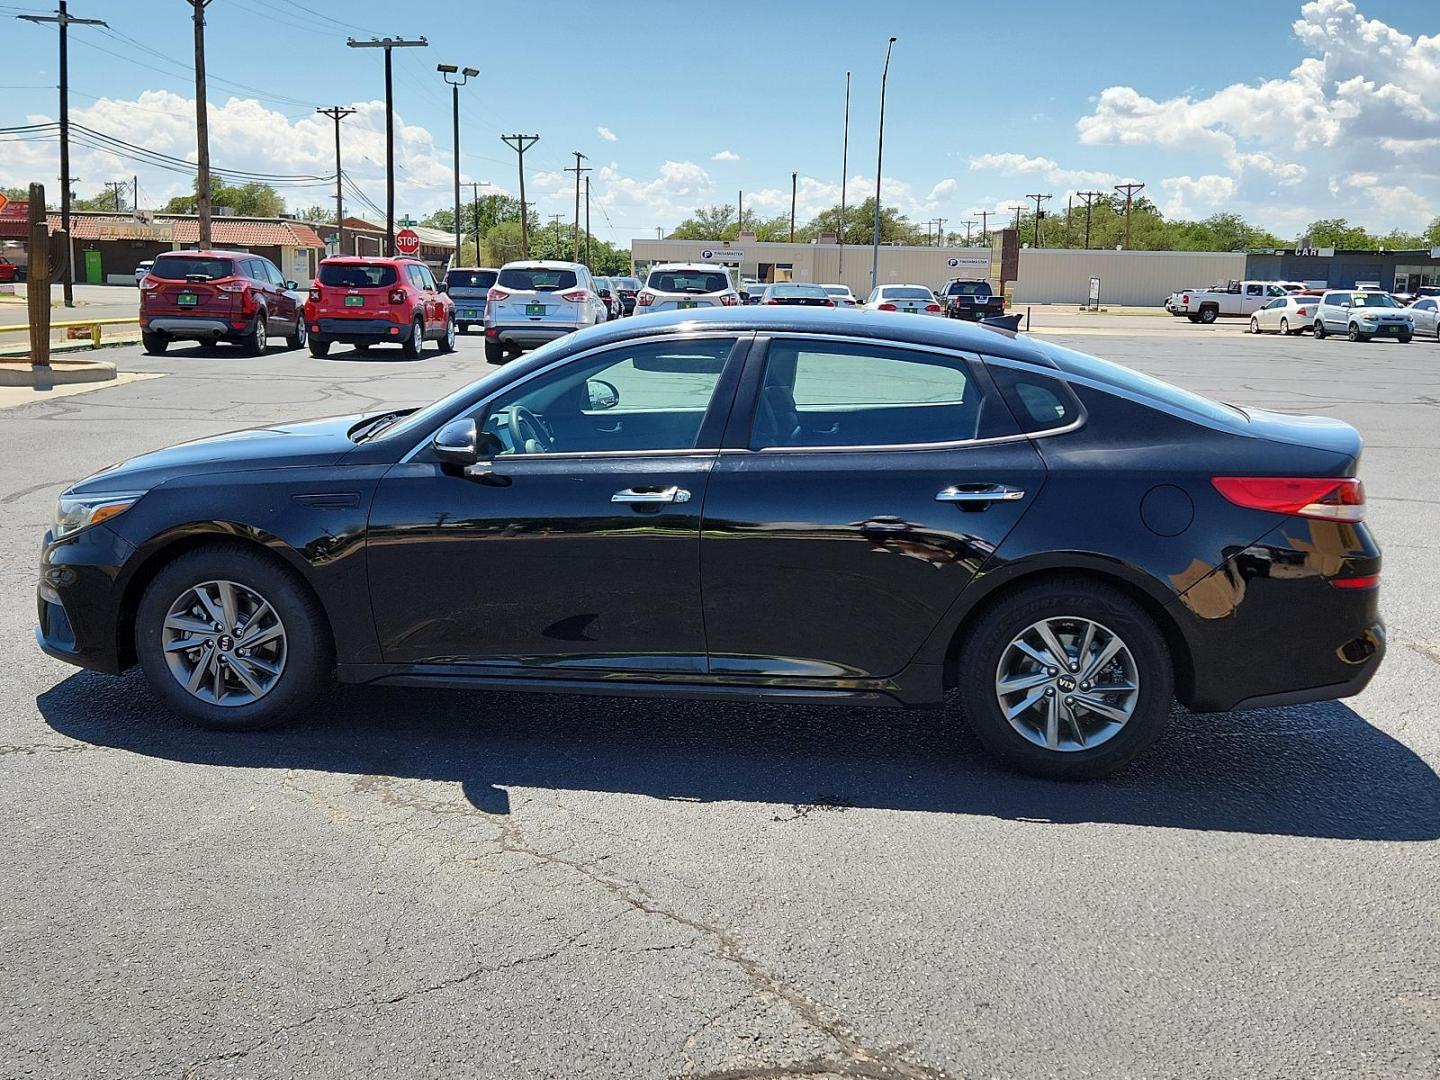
(360,331)
(78,602)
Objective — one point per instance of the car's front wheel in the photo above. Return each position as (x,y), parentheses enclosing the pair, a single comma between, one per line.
(296,338)
(1320,331)
(1354,334)
(231,639)
(1254,325)
(1068,680)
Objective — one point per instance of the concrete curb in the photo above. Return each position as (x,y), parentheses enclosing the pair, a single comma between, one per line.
(59,373)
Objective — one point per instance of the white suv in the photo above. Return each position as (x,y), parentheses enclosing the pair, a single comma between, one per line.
(677,286)
(536,300)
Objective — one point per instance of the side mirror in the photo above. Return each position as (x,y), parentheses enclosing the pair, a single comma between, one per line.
(1345,303)
(458,443)
(291,285)
(603,395)
(442,287)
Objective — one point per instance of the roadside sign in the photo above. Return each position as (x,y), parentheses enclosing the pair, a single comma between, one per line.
(407,242)
(727,255)
(1094,300)
(3,200)
(979,265)
(14,208)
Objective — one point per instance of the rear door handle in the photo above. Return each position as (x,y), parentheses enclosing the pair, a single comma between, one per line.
(651,496)
(979,493)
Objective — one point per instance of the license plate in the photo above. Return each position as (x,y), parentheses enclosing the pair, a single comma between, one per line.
(688,304)
(354,301)
(469,313)
(534,309)
(187,299)
(1389,330)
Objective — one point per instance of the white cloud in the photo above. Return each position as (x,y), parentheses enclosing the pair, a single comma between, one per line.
(606,134)
(1196,196)
(725,155)
(1041,168)
(1367,100)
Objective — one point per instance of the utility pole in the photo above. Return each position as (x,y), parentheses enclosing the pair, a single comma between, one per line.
(879,170)
(793,179)
(338,113)
(555,220)
(1038,215)
(1089,197)
(1128,190)
(968,223)
(63,20)
(521,143)
(739,213)
(447,70)
(587,223)
(658,233)
(940,231)
(844,169)
(135,196)
(1017,210)
(202,128)
(389,45)
(984,224)
(117,188)
(578,171)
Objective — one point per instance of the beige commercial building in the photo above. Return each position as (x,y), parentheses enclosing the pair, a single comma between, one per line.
(1139,278)
(821,264)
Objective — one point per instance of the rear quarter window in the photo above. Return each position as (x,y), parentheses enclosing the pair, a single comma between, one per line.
(180,267)
(1039,402)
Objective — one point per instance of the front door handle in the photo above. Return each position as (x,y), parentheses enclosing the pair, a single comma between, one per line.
(651,496)
(979,493)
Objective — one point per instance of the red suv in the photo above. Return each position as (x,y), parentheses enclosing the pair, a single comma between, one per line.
(211,296)
(363,302)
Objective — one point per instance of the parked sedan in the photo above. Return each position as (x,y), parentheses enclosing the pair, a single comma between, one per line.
(1290,314)
(1426,315)
(842,295)
(901,508)
(799,294)
(916,299)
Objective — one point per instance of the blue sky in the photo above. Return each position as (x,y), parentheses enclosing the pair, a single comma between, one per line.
(971,123)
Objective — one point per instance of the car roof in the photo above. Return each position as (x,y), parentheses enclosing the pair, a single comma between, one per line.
(368,260)
(687,266)
(548,264)
(472,269)
(902,285)
(209,253)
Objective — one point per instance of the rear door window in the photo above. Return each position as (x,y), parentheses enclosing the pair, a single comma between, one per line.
(180,267)
(357,275)
(536,278)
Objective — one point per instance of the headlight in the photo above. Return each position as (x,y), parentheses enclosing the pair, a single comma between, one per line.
(76,512)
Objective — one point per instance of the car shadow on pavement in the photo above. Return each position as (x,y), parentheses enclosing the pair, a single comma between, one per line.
(1316,770)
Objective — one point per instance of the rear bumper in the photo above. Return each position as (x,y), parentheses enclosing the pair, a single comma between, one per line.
(197,327)
(360,331)
(526,334)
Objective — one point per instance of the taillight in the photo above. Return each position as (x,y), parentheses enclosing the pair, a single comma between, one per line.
(315,296)
(576,296)
(729,300)
(887,307)
(1184,298)
(233,287)
(932,307)
(1326,497)
(770,301)
(497,293)
(397,296)
(644,299)
(148,283)
(1302,311)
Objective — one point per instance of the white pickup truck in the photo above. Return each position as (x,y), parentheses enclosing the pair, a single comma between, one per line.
(1236,299)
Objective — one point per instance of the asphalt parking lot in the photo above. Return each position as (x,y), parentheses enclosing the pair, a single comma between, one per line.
(439,884)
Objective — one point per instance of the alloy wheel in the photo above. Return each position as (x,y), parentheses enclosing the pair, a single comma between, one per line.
(224,643)
(1067,684)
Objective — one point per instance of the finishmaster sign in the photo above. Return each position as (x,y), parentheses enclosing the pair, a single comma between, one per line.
(722,255)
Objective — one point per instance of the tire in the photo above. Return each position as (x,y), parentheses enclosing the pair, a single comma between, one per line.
(464,328)
(319,347)
(1209,315)
(1192,318)
(1355,335)
(1254,325)
(447,340)
(1405,339)
(302,651)
(296,340)
(254,342)
(416,343)
(1061,603)
(1284,327)
(155,344)
(363,348)
(494,352)
(1320,331)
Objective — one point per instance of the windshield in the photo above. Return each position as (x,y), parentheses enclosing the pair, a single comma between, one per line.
(901,292)
(837,290)
(180,267)
(356,275)
(470,279)
(689,281)
(628,284)
(536,278)
(1373,299)
(968,288)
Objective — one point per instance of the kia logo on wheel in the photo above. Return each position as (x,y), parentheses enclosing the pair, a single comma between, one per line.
(407,242)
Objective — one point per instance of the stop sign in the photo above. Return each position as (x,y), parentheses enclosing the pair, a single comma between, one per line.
(407,241)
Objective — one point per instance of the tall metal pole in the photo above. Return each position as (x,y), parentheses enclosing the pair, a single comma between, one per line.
(521,143)
(466,75)
(587,223)
(984,225)
(202,128)
(62,19)
(794,177)
(739,213)
(844,171)
(879,171)
(1038,200)
(389,44)
(338,113)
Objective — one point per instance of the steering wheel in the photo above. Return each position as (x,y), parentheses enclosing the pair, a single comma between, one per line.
(538,439)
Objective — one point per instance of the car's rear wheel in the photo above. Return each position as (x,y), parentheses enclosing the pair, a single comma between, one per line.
(1254,325)
(494,352)
(319,347)
(231,639)
(447,341)
(1285,327)
(1068,680)
(416,341)
(155,344)
(296,338)
(1193,318)
(254,342)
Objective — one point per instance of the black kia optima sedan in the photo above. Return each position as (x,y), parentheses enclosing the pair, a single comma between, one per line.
(774,505)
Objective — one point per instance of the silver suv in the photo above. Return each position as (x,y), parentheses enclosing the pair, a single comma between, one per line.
(677,286)
(1362,315)
(536,300)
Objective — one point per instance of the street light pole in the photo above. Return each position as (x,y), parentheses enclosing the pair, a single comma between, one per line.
(844,169)
(447,70)
(879,171)
(389,44)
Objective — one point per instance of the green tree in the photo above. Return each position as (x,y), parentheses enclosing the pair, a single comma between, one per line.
(317,215)
(246,200)
(1431,238)
(502,244)
(104,201)
(859,225)
(1338,233)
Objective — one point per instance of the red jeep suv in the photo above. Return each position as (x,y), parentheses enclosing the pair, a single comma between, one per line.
(211,296)
(362,302)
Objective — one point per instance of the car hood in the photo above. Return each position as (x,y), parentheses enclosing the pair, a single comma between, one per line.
(280,446)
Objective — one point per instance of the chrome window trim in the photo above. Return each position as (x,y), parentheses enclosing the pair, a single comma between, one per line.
(691,335)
